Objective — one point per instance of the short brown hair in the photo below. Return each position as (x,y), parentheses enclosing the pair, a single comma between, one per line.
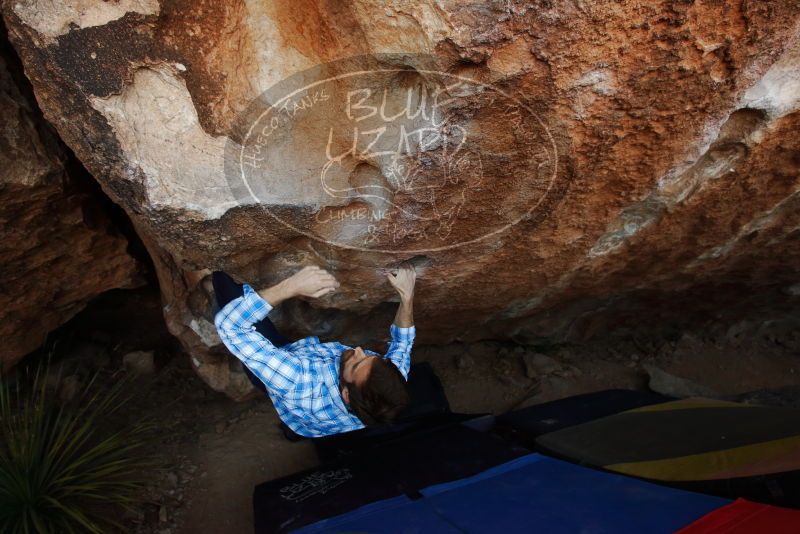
(382,397)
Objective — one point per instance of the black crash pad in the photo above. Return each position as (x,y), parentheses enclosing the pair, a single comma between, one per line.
(401,466)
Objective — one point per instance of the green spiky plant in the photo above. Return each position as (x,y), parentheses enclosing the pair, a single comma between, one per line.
(64,467)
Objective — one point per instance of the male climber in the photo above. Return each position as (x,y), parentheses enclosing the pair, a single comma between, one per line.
(318,388)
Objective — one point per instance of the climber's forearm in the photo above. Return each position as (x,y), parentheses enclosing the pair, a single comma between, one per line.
(277,293)
(405,313)
(403,282)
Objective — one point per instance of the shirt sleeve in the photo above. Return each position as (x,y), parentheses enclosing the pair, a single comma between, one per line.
(399,352)
(235,325)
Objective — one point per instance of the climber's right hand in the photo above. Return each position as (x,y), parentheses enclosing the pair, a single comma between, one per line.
(311,281)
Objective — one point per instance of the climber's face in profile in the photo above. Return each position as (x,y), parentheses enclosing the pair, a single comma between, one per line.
(372,387)
(354,370)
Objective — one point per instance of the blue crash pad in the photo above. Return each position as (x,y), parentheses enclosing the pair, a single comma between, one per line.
(395,515)
(531,493)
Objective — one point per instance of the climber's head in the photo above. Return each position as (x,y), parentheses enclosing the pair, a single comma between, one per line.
(371,386)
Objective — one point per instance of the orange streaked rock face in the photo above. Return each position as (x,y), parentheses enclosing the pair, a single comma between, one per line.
(580,166)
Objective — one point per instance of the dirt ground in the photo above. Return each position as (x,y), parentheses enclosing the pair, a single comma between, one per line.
(217,450)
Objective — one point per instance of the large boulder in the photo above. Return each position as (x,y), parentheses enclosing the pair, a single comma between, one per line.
(59,248)
(554,169)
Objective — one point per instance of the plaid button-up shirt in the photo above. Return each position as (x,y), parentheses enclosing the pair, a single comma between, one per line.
(302,378)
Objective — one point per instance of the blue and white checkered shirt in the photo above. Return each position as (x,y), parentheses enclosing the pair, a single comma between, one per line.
(302,378)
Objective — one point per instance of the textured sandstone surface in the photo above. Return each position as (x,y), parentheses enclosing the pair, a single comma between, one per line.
(58,247)
(588,166)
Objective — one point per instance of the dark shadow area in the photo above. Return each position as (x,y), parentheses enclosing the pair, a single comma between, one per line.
(79,178)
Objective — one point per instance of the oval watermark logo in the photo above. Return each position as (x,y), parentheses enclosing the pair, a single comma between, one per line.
(379,153)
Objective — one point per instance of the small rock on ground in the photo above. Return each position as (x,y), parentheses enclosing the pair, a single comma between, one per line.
(537,364)
(674,386)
